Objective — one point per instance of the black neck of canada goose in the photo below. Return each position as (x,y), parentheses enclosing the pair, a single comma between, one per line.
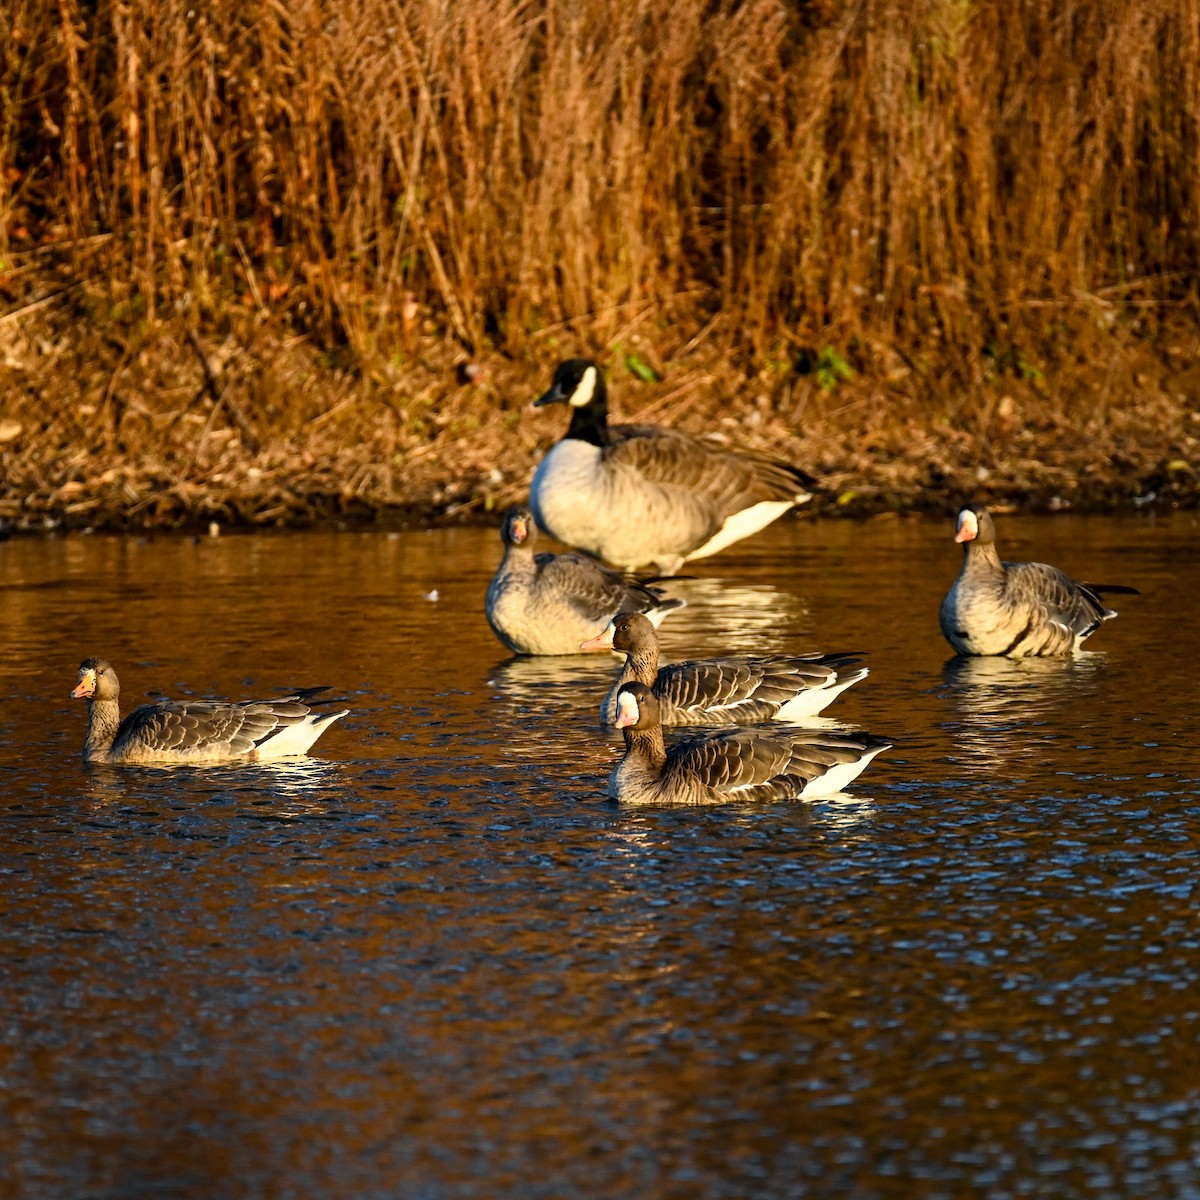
(589,423)
(579,382)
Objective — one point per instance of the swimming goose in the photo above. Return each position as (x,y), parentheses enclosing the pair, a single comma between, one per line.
(734,690)
(1018,610)
(194,731)
(729,764)
(549,603)
(639,494)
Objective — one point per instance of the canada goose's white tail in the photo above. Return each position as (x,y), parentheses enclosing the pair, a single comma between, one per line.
(749,520)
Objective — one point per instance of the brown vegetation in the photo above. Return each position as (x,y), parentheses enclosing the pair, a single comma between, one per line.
(924,246)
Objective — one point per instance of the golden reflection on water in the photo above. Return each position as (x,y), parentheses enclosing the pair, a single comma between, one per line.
(727,616)
(847,811)
(557,681)
(282,777)
(430,960)
(1001,703)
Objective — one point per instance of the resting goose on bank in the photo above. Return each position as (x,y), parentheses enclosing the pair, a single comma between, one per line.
(549,603)
(724,765)
(639,494)
(734,690)
(194,731)
(1018,610)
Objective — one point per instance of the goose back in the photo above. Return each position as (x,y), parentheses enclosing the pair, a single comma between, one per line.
(209,730)
(730,690)
(738,765)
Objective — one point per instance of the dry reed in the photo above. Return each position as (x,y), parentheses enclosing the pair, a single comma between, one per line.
(941,192)
(908,168)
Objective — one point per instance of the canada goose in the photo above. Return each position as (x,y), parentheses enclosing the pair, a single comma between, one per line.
(1018,610)
(734,690)
(549,603)
(639,494)
(194,731)
(729,764)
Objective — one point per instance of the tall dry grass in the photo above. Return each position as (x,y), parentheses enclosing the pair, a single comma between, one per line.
(918,172)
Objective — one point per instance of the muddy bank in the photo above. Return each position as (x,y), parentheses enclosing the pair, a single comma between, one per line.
(170,427)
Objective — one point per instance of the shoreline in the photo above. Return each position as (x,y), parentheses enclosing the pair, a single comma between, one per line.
(259,513)
(161,428)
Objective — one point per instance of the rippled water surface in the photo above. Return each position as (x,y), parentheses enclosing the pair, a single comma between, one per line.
(432,962)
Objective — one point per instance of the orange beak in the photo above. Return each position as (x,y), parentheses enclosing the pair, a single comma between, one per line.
(602,641)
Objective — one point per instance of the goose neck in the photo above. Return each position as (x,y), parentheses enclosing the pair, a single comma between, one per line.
(645,748)
(641,664)
(981,556)
(104,718)
(518,559)
(589,423)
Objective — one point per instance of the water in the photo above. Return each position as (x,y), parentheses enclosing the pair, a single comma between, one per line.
(432,962)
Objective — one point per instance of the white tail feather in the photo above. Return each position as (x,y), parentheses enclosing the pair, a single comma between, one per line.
(838,777)
(811,701)
(296,739)
(743,524)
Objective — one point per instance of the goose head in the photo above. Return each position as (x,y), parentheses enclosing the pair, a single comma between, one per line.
(519,528)
(975,525)
(626,631)
(637,707)
(577,382)
(631,630)
(97,681)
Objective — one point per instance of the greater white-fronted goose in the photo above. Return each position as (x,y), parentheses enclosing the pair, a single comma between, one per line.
(1017,610)
(718,766)
(734,690)
(194,731)
(640,494)
(549,603)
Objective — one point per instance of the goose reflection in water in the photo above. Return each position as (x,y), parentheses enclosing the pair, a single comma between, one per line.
(724,617)
(543,709)
(1001,702)
(317,782)
(294,777)
(555,683)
